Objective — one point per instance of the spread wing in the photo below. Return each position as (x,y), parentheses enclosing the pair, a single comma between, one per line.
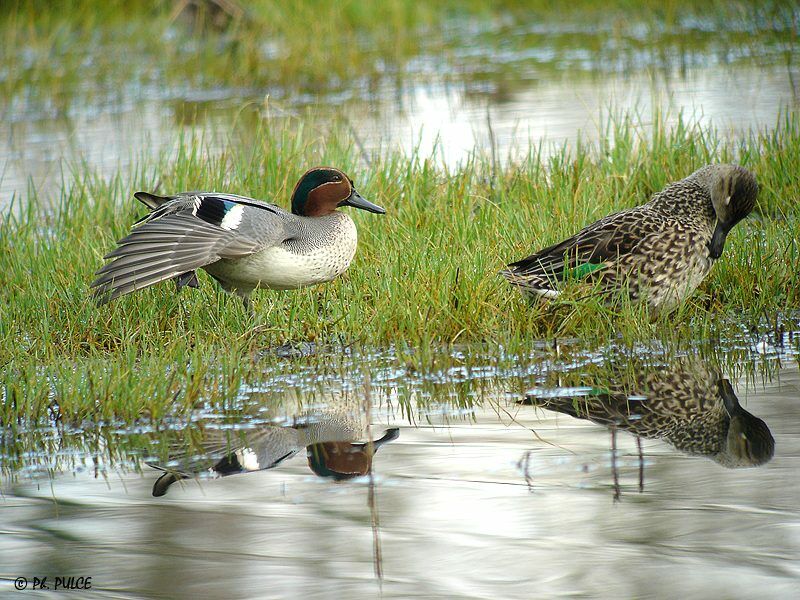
(183,233)
(228,453)
(593,248)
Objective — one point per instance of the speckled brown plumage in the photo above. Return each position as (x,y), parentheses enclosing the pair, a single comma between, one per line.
(659,251)
(687,404)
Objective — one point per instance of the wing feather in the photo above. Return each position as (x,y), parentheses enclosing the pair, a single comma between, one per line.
(601,242)
(168,246)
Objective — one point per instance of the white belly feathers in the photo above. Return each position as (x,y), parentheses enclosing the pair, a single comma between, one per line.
(290,266)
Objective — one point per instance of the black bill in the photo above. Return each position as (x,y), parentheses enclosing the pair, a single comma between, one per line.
(717,242)
(357,201)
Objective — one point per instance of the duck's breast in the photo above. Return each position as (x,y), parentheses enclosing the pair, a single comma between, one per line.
(322,250)
(677,264)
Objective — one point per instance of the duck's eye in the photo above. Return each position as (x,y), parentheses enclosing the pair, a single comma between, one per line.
(337,177)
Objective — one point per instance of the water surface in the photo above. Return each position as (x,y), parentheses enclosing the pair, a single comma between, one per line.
(507,85)
(473,491)
(572,470)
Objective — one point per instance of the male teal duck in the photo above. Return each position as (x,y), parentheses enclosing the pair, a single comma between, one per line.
(331,438)
(242,243)
(686,404)
(658,252)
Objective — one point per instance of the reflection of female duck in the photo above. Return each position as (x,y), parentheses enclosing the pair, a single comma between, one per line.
(330,441)
(687,405)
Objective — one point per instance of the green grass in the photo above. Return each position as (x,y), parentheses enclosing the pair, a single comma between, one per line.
(423,297)
(425,275)
(57,58)
(429,387)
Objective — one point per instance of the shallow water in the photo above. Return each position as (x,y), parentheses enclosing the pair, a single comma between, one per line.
(472,492)
(477,494)
(513,87)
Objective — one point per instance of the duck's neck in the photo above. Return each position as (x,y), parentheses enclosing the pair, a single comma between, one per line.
(334,228)
(330,428)
(685,199)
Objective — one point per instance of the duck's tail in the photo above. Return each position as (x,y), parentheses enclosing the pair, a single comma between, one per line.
(151,201)
(533,284)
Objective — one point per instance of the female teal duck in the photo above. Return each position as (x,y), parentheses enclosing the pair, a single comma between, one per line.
(241,242)
(659,251)
(687,404)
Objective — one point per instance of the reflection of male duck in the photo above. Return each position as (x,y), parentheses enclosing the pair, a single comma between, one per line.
(687,405)
(329,439)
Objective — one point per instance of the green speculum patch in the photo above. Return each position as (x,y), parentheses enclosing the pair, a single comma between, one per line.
(581,271)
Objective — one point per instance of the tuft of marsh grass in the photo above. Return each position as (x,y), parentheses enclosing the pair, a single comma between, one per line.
(425,274)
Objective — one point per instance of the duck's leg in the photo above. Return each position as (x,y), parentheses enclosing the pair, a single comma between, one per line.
(614,468)
(187,279)
(641,464)
(243,293)
(248,306)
